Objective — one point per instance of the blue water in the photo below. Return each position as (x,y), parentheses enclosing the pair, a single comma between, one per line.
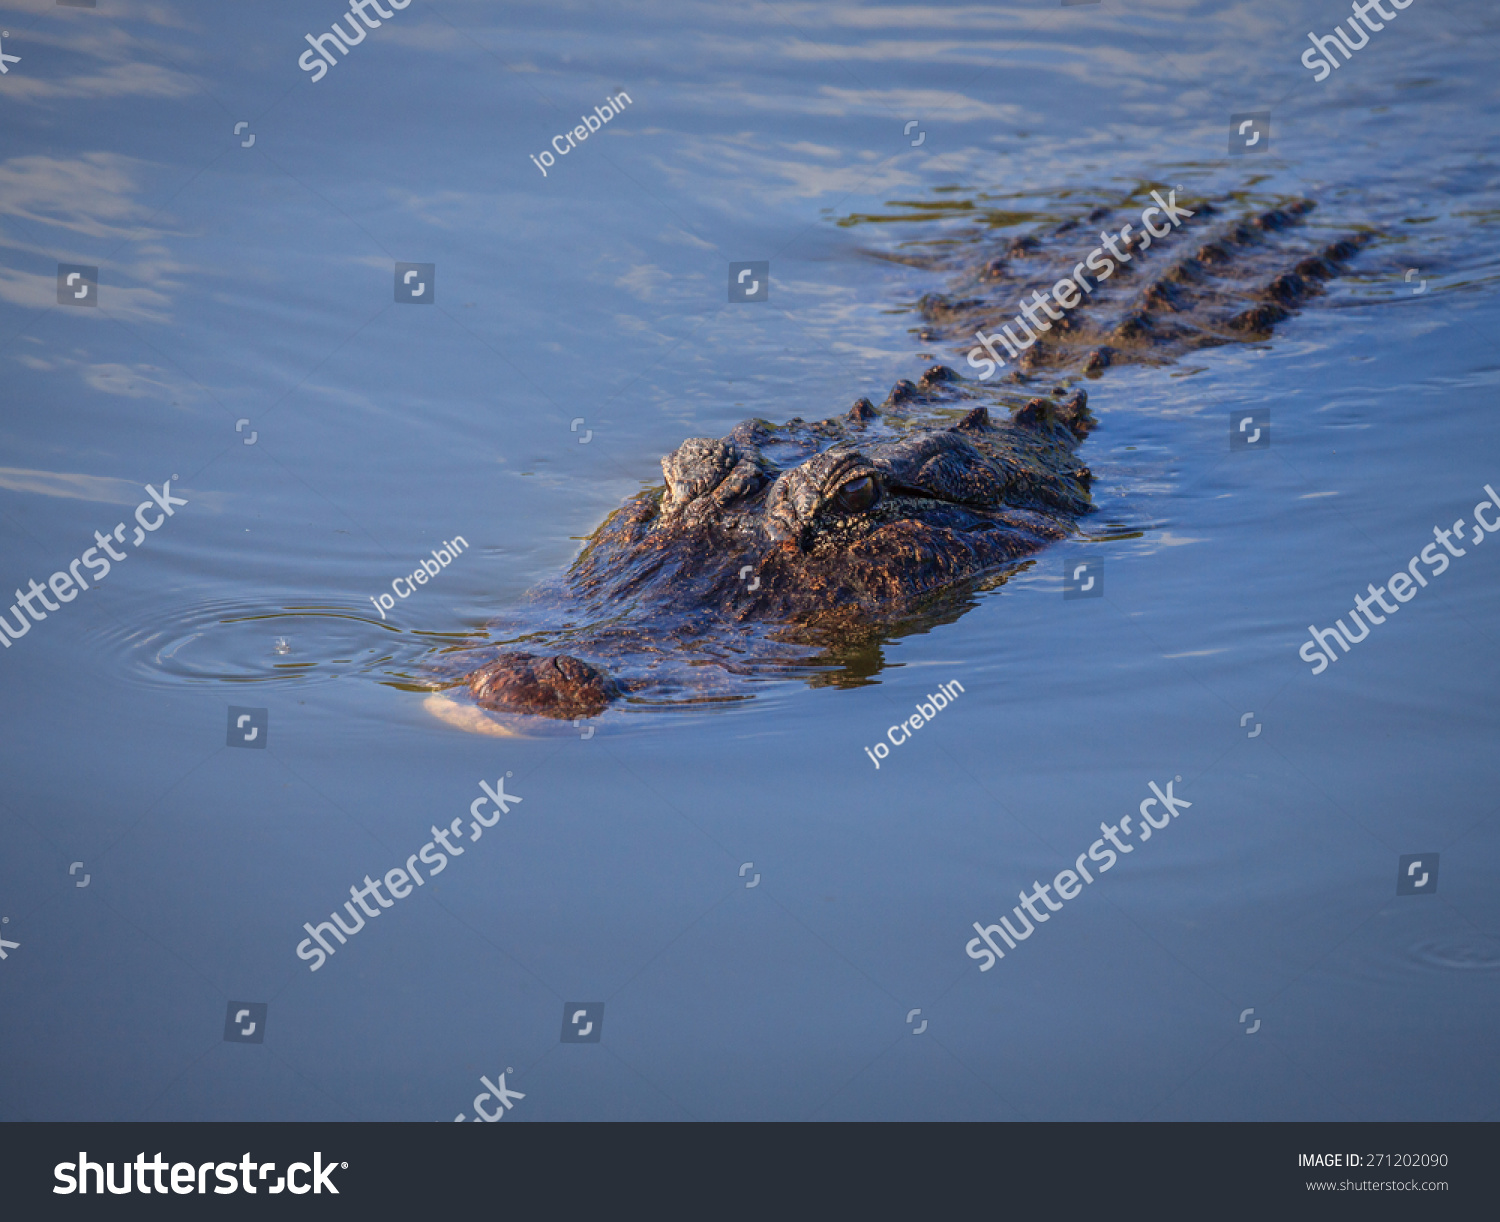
(579,331)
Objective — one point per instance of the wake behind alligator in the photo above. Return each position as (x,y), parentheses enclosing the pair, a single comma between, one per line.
(803,547)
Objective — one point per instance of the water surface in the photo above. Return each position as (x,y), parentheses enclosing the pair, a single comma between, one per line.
(579,331)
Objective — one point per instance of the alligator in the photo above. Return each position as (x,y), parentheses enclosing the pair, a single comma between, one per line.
(800,547)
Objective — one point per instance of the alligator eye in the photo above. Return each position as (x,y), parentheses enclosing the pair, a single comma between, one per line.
(857,495)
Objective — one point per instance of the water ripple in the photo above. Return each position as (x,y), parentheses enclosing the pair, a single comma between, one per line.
(1469,954)
(230,641)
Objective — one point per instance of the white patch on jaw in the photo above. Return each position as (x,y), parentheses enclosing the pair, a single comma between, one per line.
(467,717)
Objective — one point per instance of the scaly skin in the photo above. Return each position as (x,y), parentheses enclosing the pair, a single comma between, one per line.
(1220,279)
(835,535)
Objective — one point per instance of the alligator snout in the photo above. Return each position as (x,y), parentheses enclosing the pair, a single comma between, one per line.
(558,686)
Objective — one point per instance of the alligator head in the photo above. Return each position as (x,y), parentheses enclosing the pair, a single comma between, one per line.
(847,523)
(846,520)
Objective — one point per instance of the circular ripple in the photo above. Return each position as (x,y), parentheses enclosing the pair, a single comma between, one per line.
(1475,954)
(231,642)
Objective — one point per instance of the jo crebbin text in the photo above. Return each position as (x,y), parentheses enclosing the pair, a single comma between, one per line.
(442,557)
(566,142)
(947,693)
